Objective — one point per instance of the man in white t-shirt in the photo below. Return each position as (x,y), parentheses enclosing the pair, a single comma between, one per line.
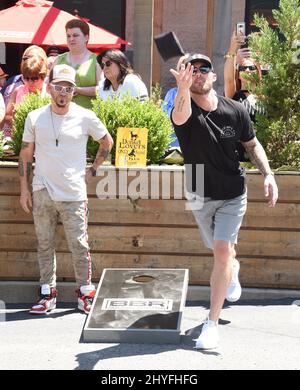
(57,135)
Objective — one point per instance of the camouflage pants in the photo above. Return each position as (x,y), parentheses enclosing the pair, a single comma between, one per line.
(74,218)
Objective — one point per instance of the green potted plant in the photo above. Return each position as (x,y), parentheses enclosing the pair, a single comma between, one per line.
(130,112)
(29,103)
(2,141)
(278,129)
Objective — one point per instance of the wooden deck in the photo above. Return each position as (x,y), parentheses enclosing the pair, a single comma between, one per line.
(160,233)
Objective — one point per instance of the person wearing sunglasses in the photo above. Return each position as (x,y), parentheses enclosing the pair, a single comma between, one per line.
(34,71)
(238,68)
(16,80)
(2,108)
(57,135)
(120,78)
(88,71)
(207,127)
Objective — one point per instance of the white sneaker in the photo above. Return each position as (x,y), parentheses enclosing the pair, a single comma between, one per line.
(209,337)
(234,290)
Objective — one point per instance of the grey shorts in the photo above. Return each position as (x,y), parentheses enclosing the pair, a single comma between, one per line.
(221,219)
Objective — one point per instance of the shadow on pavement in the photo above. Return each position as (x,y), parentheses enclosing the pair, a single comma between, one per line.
(22,314)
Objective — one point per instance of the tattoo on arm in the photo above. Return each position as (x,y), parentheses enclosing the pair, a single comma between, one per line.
(21,169)
(181,104)
(28,169)
(24,145)
(104,153)
(258,157)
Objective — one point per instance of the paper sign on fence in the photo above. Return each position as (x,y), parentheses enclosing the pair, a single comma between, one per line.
(131,147)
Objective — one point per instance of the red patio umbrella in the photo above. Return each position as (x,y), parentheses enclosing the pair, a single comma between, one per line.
(38,22)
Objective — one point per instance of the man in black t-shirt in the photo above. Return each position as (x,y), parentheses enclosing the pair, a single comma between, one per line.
(208,128)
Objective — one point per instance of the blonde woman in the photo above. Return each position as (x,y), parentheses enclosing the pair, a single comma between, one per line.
(34,71)
(15,81)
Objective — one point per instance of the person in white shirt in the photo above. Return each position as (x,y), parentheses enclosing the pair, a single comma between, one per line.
(57,135)
(120,78)
(2,108)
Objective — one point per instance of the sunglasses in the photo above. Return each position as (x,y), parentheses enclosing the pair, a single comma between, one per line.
(103,64)
(201,69)
(33,79)
(60,88)
(249,67)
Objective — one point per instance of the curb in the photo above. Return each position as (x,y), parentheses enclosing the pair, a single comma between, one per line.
(27,292)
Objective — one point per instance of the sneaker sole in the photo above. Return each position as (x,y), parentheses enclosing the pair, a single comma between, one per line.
(206,348)
(41,311)
(80,308)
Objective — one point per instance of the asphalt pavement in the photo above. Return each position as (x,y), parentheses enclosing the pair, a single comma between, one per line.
(256,334)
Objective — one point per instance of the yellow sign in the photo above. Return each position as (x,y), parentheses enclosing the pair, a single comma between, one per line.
(131,147)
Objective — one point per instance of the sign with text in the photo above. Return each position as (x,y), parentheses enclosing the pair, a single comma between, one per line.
(131,147)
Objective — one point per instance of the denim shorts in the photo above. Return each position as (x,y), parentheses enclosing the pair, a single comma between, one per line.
(221,219)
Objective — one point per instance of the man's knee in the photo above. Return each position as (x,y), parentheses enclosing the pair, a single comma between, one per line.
(223,251)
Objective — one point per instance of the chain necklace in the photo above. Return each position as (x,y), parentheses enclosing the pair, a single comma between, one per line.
(203,111)
(56,136)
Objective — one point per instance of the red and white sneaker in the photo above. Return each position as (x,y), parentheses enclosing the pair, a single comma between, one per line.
(47,301)
(85,298)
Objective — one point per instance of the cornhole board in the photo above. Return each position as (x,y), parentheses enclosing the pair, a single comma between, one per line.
(137,306)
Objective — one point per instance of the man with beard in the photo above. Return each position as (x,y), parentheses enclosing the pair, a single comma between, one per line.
(57,135)
(208,128)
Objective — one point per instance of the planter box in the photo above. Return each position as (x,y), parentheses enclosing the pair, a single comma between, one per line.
(160,233)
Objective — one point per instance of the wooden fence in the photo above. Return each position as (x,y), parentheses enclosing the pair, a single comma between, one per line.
(160,233)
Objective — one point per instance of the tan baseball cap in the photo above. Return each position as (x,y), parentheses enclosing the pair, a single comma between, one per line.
(64,72)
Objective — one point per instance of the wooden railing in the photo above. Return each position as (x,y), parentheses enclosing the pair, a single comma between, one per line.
(160,233)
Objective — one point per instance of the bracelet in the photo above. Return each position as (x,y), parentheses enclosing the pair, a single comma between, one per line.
(229,55)
(93,171)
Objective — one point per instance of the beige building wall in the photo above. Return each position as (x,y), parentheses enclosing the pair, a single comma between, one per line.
(188,19)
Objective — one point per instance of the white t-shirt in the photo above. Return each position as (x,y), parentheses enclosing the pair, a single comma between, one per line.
(60,149)
(2,108)
(132,85)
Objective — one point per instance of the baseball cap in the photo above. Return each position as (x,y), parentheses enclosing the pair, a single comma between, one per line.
(63,72)
(199,57)
(2,73)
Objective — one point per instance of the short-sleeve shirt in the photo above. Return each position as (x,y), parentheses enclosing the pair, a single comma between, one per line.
(131,85)
(211,139)
(2,108)
(60,149)
(86,76)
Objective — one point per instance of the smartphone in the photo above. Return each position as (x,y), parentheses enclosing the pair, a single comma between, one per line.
(241,32)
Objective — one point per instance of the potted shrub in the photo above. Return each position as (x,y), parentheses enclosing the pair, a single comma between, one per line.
(29,103)
(279,128)
(2,141)
(130,112)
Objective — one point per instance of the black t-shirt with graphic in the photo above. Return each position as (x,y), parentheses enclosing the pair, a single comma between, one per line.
(210,139)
